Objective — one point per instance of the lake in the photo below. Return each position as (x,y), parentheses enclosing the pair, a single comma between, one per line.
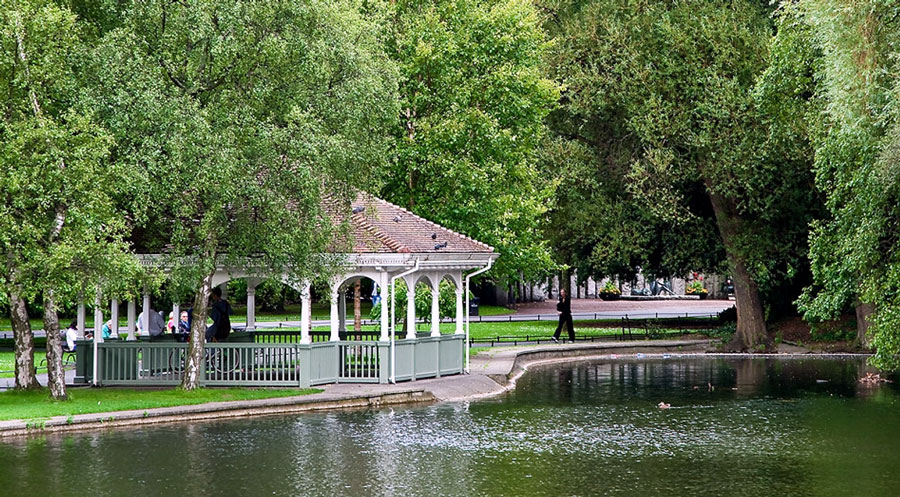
(737,426)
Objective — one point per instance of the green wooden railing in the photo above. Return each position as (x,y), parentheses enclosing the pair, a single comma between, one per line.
(264,363)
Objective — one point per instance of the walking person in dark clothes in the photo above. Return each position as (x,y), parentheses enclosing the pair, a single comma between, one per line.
(565,316)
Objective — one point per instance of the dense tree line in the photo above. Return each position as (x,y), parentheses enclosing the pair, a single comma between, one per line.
(747,137)
(744,137)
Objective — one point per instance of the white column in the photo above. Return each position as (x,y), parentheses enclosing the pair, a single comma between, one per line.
(436,307)
(145,318)
(132,316)
(385,319)
(98,319)
(81,313)
(304,313)
(251,303)
(335,335)
(176,317)
(114,316)
(342,311)
(410,308)
(459,311)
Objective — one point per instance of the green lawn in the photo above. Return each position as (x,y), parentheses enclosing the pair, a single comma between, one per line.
(37,404)
(8,362)
(529,329)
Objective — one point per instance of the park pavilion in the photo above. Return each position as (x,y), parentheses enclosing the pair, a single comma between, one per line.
(388,243)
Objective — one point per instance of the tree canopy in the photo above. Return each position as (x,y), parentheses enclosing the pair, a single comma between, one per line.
(241,122)
(473,98)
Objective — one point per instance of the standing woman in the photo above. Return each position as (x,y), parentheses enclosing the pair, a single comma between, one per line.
(565,316)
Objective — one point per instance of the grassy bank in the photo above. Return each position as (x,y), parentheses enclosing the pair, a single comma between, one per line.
(37,404)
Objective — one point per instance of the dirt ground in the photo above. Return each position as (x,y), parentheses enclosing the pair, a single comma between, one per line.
(796,331)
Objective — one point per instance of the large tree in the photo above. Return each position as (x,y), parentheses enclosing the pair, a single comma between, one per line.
(664,99)
(59,227)
(242,118)
(473,99)
(854,126)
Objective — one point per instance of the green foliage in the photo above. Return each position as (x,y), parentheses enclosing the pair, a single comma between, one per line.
(446,301)
(60,225)
(271,295)
(694,288)
(723,332)
(854,130)
(667,113)
(237,120)
(472,103)
(610,288)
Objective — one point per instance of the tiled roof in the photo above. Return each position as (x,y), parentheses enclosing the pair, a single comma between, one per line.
(378,226)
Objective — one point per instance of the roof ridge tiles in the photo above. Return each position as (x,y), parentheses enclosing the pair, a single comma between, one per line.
(380,235)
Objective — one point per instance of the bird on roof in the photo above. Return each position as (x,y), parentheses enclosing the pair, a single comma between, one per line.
(397,218)
(358,209)
(440,246)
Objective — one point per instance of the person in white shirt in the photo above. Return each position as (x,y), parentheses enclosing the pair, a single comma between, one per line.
(71,334)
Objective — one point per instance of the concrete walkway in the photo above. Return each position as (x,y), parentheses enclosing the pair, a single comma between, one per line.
(493,372)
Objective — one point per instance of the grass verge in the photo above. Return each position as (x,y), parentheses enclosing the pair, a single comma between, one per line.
(37,404)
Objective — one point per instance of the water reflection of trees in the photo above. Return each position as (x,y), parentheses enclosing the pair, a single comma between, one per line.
(728,376)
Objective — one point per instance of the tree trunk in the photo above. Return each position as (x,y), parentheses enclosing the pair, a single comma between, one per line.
(55,372)
(24,344)
(751,322)
(357,312)
(864,314)
(194,363)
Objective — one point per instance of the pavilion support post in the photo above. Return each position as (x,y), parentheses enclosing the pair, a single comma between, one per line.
(251,303)
(176,316)
(132,317)
(145,314)
(98,319)
(410,308)
(98,338)
(385,320)
(342,311)
(81,315)
(335,331)
(436,307)
(114,317)
(304,313)
(459,311)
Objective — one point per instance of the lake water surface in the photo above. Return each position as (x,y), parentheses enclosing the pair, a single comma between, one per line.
(737,426)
